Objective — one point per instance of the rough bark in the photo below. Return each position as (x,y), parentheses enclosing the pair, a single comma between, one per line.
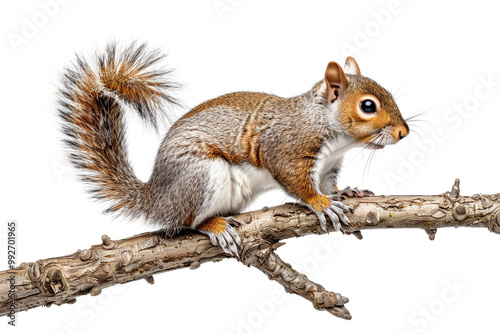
(60,280)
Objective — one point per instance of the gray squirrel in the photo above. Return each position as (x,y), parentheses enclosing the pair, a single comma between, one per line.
(217,157)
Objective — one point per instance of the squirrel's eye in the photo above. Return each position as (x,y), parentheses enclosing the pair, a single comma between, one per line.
(368,106)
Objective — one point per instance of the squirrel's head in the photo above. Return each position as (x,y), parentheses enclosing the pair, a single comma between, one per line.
(366,110)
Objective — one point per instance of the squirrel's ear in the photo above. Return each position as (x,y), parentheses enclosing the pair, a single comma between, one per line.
(335,80)
(351,67)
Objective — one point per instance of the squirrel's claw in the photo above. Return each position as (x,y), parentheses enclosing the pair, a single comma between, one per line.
(336,213)
(339,208)
(334,218)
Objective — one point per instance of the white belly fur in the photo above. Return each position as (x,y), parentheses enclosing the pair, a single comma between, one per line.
(233,187)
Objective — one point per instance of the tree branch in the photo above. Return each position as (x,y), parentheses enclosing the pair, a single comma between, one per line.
(60,280)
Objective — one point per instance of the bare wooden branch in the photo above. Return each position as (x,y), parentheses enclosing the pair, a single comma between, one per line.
(60,280)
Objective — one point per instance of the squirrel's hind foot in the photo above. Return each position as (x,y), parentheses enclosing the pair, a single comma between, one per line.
(221,232)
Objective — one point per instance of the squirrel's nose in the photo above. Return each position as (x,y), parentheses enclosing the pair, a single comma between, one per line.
(401,131)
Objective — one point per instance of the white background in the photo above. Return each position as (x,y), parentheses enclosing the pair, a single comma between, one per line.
(433,55)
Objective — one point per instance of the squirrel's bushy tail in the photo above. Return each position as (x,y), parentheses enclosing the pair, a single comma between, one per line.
(91,106)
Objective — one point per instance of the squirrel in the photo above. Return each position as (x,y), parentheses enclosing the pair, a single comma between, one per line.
(218,156)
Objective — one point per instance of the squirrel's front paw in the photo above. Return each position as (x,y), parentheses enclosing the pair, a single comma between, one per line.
(354,192)
(336,212)
(222,234)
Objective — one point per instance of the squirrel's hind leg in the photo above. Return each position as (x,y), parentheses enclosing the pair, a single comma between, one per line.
(228,189)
